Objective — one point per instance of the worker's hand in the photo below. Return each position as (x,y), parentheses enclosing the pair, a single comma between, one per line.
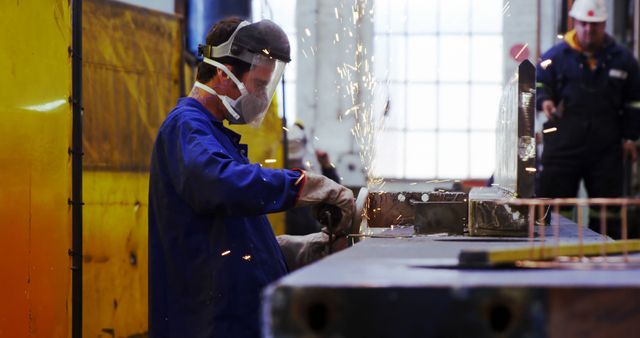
(320,189)
(302,250)
(630,150)
(549,109)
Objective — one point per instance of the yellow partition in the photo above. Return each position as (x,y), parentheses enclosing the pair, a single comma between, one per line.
(131,79)
(35,169)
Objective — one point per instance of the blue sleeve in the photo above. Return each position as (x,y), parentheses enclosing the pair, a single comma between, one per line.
(631,112)
(209,179)
(545,75)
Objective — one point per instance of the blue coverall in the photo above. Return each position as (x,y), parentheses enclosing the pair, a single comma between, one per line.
(211,247)
(598,107)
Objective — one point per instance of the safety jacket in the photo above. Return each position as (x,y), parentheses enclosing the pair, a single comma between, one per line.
(211,247)
(597,98)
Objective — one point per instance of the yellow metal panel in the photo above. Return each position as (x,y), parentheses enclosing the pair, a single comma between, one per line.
(131,79)
(115,258)
(35,134)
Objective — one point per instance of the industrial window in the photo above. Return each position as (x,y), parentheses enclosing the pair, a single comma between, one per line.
(441,64)
(282,12)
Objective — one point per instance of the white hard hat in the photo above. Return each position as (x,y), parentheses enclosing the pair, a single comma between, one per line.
(589,10)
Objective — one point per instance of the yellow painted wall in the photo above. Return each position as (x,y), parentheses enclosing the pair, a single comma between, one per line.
(131,79)
(35,169)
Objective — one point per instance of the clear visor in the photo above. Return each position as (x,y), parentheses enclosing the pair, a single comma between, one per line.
(263,78)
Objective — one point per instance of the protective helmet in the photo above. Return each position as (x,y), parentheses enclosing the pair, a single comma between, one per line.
(589,10)
(263,45)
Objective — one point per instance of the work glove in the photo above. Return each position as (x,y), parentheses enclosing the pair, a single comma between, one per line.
(299,251)
(320,189)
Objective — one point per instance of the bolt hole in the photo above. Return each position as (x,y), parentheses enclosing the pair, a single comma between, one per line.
(318,314)
(499,317)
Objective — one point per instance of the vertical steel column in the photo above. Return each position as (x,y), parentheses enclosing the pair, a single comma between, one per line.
(76,169)
(636,28)
(526,138)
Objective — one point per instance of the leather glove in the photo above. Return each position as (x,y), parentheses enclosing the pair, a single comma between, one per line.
(320,189)
(303,250)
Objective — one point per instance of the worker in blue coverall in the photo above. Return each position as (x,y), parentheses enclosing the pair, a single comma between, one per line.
(588,87)
(211,247)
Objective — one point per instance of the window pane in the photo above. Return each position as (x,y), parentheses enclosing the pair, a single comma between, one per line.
(397,108)
(421,154)
(422,58)
(381,16)
(398,16)
(454,16)
(453,107)
(284,13)
(381,61)
(482,154)
(389,160)
(453,155)
(398,59)
(454,58)
(486,16)
(485,102)
(486,58)
(423,16)
(421,107)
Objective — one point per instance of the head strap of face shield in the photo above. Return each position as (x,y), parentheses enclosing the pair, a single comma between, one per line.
(227,49)
(226,70)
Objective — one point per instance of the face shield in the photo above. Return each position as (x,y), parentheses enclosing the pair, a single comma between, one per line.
(265,47)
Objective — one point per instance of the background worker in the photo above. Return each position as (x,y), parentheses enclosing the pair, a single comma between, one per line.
(589,89)
(302,221)
(211,247)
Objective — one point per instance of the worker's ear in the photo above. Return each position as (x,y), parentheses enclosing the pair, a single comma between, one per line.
(224,79)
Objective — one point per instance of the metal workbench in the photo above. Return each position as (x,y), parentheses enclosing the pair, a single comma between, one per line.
(412,287)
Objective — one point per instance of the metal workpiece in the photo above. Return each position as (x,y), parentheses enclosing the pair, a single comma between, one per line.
(430,212)
(384,209)
(443,212)
(489,215)
(413,287)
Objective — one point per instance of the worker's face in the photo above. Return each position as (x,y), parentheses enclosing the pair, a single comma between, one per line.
(257,79)
(590,34)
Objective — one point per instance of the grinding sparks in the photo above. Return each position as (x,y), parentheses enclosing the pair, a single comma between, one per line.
(560,36)
(285,129)
(550,130)
(546,63)
(506,8)
(225,253)
(531,170)
(270,160)
(307,31)
(521,50)
(246,257)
